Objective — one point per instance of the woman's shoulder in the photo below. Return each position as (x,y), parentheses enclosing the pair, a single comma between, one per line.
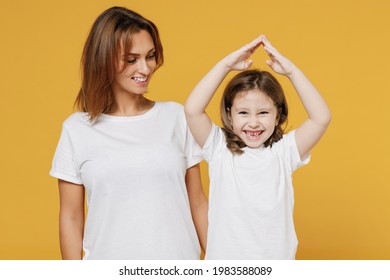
(170,105)
(77,118)
(173,109)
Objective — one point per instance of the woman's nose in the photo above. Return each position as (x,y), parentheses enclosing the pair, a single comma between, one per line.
(143,67)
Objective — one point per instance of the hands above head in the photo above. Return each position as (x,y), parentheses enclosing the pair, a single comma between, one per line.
(238,60)
(277,61)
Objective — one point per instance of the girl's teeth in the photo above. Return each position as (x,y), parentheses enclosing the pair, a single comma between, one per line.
(253,133)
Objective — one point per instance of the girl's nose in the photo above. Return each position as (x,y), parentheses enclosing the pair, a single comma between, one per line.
(254,122)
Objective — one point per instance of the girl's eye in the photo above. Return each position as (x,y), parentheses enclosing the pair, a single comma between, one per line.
(242,113)
(263,113)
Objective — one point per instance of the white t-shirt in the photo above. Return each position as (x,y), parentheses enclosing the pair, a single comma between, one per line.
(133,170)
(251,199)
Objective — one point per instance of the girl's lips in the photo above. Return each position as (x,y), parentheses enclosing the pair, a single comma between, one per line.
(253,135)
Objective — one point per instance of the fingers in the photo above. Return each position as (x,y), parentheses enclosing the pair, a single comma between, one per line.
(247,50)
(267,43)
(269,62)
(272,53)
(252,46)
(256,42)
(248,63)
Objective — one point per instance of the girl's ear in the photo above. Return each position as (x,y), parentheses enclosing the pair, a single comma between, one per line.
(229,115)
(278,117)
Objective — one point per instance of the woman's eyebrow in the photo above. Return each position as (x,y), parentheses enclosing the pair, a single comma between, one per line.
(137,54)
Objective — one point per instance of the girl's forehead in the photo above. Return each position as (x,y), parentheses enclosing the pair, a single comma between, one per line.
(253,97)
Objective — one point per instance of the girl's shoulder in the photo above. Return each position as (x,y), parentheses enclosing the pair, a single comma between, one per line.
(287,140)
(287,147)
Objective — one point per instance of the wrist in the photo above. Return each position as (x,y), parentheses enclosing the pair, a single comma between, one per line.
(223,66)
(294,72)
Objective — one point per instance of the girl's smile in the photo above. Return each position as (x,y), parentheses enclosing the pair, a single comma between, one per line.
(253,135)
(253,117)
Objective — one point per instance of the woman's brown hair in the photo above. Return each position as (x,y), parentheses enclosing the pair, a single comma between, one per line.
(249,80)
(111,30)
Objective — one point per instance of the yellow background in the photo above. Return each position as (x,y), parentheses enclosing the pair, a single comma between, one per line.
(342,197)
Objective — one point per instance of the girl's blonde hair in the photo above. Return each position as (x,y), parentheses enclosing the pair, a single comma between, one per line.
(111,30)
(249,80)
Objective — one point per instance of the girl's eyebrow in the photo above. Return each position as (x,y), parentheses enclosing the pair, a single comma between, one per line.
(259,109)
(241,109)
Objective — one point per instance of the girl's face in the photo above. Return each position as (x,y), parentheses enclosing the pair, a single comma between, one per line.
(135,69)
(253,117)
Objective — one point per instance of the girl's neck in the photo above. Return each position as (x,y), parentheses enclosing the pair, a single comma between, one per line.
(130,105)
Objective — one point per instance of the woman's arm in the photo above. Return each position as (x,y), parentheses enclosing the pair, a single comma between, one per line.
(198,204)
(195,106)
(71,220)
(319,116)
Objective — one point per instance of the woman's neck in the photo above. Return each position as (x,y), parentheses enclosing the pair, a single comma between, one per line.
(130,105)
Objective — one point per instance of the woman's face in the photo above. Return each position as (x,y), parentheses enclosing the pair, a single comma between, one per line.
(136,68)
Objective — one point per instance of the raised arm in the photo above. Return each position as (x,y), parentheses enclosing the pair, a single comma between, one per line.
(195,106)
(319,116)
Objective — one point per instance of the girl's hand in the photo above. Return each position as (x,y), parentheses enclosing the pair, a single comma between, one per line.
(278,62)
(238,59)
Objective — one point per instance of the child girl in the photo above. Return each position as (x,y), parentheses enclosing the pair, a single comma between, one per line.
(250,160)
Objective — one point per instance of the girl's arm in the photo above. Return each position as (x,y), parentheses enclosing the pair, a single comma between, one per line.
(319,116)
(198,203)
(71,220)
(198,121)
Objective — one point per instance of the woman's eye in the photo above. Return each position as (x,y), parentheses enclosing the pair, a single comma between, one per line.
(131,60)
(151,56)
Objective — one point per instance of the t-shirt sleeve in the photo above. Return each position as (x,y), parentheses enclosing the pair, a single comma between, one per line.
(288,146)
(214,143)
(193,151)
(64,165)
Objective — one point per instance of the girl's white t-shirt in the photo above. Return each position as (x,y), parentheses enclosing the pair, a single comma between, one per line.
(251,199)
(133,170)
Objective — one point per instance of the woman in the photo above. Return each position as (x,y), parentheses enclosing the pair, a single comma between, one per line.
(134,157)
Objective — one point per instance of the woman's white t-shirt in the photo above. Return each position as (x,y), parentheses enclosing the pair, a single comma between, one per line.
(251,199)
(133,170)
